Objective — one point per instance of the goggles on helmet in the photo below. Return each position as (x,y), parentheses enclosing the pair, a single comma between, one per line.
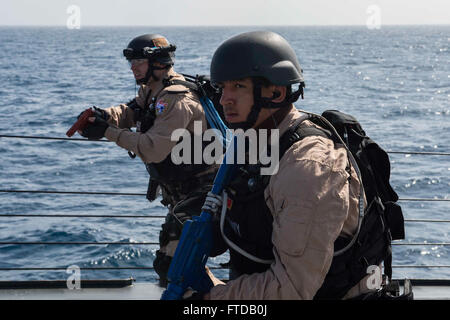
(147,52)
(136,62)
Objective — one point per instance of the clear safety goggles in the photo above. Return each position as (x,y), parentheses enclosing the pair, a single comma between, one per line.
(136,62)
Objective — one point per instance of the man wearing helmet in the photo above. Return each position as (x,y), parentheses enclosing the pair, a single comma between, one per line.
(281,231)
(160,107)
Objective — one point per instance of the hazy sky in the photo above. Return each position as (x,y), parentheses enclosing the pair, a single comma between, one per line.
(224,12)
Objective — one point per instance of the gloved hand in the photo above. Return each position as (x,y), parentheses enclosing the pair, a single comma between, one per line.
(95,130)
(213,203)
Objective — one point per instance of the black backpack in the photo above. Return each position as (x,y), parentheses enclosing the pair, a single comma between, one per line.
(383,218)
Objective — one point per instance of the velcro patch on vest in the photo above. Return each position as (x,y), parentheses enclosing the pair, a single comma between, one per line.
(160,106)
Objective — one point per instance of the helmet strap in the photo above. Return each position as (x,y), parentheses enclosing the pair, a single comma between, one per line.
(150,73)
(247,124)
(254,111)
(259,102)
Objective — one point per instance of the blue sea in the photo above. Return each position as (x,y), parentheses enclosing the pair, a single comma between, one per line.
(395,81)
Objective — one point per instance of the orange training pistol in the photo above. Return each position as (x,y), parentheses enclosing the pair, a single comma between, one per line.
(81,122)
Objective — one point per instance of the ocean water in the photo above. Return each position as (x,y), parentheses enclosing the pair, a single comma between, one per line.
(395,80)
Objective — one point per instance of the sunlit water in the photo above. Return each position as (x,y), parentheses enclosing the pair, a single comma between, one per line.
(396,81)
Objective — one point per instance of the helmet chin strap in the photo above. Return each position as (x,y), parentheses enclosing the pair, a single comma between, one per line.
(254,111)
(150,73)
(145,79)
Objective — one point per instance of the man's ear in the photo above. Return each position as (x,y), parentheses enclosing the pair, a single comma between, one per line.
(278,94)
(275,93)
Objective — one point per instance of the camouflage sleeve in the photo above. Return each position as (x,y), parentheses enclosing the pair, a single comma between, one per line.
(172,112)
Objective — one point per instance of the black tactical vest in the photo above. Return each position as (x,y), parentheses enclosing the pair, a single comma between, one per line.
(248,221)
(249,225)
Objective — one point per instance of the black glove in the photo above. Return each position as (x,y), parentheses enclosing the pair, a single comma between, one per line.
(96,130)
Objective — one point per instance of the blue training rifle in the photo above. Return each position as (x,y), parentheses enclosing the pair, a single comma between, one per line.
(187,269)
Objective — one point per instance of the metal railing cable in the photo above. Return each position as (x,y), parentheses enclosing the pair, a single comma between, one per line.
(151,268)
(77,243)
(81,268)
(429,153)
(73,192)
(12,215)
(86,268)
(104,140)
(423,199)
(51,138)
(158,216)
(157,243)
(106,193)
(82,216)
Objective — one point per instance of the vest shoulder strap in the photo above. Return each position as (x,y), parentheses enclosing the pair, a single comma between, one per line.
(179,86)
(299,132)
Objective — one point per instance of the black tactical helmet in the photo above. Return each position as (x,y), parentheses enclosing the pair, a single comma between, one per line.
(256,54)
(154,47)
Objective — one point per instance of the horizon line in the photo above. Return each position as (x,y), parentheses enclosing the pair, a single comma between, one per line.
(233,25)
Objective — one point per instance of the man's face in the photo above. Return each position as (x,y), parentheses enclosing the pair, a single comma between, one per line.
(139,68)
(237,99)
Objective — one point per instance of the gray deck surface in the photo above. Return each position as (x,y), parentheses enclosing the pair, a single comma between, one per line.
(150,291)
